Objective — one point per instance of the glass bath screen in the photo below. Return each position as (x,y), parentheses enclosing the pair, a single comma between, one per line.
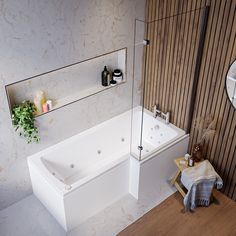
(164,69)
(138,71)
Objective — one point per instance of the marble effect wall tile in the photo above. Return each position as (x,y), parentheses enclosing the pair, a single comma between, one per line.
(38,36)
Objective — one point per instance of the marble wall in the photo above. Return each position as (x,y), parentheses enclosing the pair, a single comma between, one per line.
(38,36)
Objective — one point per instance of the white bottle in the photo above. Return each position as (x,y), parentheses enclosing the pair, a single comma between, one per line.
(39,100)
(49,103)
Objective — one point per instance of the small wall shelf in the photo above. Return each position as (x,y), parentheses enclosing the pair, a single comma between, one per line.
(70,83)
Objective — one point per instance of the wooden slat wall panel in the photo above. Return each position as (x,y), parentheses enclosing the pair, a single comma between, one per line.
(170,65)
(174,43)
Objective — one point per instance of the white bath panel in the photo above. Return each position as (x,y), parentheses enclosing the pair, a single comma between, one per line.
(96,195)
(72,209)
(148,176)
(48,195)
(156,172)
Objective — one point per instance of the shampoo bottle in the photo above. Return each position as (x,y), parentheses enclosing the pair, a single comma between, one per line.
(106,77)
(39,100)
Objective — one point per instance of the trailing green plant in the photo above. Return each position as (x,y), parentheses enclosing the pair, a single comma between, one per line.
(23,120)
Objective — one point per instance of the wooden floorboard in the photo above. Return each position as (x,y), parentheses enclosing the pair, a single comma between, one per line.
(168,218)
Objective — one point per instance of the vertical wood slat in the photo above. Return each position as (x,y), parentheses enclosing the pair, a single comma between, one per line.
(179,62)
(165,53)
(169,68)
(183,69)
(169,75)
(195,68)
(174,69)
(193,55)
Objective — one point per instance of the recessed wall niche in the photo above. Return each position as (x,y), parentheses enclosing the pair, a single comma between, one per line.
(70,83)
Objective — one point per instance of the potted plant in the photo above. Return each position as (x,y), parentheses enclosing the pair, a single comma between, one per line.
(23,120)
(206,127)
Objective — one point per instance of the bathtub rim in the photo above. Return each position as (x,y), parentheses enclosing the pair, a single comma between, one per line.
(59,144)
(158,151)
(180,133)
(170,143)
(172,126)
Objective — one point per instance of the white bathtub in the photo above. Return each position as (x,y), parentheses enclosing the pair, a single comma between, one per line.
(82,175)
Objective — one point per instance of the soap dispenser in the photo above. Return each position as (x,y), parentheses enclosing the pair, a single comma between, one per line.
(106,77)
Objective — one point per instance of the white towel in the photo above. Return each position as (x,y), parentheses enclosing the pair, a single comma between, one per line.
(203,170)
(199,181)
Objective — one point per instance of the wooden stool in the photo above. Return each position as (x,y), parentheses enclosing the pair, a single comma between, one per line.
(175,181)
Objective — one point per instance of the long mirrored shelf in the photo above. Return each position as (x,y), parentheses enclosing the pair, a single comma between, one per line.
(68,84)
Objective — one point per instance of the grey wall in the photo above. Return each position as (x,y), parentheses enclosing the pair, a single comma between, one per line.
(38,36)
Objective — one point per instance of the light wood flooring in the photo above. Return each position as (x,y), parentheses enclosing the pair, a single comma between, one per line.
(168,218)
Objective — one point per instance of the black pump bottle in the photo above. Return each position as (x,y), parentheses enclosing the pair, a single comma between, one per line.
(106,77)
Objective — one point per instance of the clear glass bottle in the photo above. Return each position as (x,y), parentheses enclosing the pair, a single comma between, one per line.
(190,161)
